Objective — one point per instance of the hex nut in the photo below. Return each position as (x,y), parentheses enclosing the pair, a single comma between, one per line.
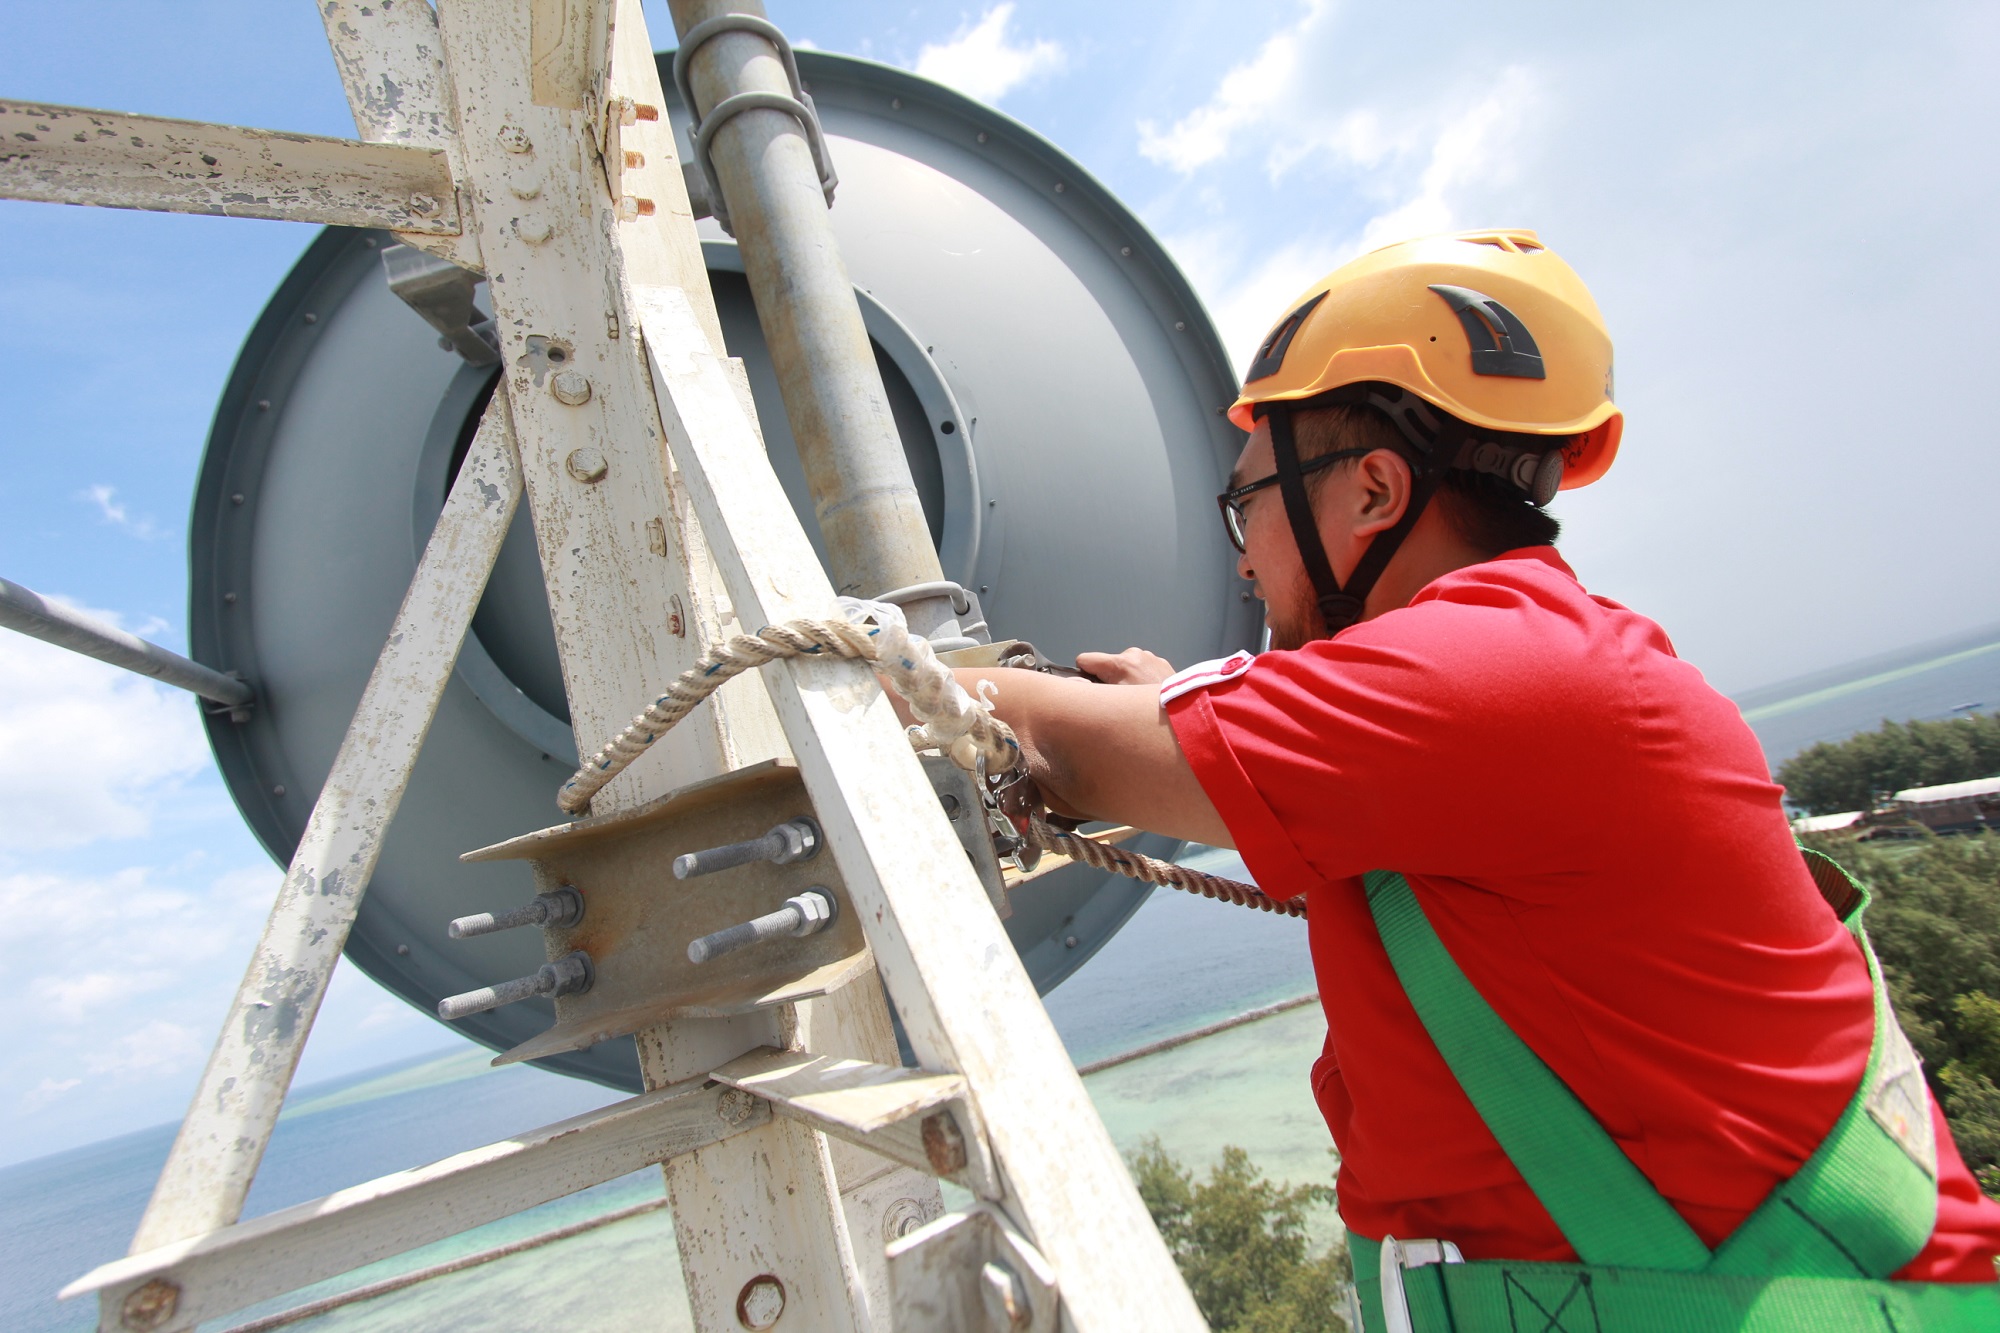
(586,465)
(944,1145)
(761,1302)
(150,1306)
(571,387)
(1004,1296)
(735,1106)
(533,230)
(515,139)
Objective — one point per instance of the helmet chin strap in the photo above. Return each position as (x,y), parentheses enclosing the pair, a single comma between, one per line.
(1426,431)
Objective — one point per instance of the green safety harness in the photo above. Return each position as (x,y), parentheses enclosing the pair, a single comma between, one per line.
(1816,1254)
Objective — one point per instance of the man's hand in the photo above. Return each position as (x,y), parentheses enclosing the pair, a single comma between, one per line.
(1134,666)
(1104,751)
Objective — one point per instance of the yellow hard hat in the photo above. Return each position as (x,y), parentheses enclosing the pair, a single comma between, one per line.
(1489,326)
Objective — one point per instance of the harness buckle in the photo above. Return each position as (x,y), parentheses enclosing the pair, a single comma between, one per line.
(1398,1255)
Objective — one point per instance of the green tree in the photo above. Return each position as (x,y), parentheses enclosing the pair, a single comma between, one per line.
(1858,772)
(1935,924)
(1242,1243)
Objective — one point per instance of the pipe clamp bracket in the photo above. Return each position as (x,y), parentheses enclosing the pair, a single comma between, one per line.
(799,105)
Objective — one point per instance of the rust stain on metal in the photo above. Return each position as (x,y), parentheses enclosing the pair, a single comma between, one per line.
(944,1145)
(148,1307)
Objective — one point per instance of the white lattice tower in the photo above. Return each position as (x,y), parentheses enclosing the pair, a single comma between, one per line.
(523,140)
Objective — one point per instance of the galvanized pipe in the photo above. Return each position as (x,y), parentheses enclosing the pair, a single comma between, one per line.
(34,615)
(869,514)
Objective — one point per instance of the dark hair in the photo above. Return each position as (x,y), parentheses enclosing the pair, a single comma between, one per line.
(1486,513)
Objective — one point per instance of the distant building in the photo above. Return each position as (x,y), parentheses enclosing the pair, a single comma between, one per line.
(1827,823)
(1951,807)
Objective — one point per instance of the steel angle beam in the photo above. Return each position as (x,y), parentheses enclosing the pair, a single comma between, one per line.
(227,1269)
(215,1156)
(72,155)
(941,952)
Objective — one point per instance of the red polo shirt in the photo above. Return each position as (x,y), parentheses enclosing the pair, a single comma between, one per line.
(1593,833)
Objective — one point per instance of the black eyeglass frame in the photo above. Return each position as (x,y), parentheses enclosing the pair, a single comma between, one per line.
(1230,502)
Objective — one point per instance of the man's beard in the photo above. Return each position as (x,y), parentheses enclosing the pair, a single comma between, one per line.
(1294,626)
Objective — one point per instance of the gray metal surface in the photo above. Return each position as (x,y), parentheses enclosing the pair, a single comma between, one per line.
(1057,388)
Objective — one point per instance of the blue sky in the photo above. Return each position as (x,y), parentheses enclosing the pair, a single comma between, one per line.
(1784,210)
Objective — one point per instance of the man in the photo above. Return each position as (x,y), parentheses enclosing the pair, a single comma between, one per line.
(1587,827)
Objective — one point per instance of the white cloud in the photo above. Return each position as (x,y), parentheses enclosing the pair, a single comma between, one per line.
(87,751)
(981,60)
(117,514)
(1246,96)
(153,1050)
(48,1090)
(1301,123)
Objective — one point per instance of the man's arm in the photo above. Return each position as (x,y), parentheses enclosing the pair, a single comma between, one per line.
(1103,751)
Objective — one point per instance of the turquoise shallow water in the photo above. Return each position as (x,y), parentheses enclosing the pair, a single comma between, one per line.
(1180,964)
(1183,962)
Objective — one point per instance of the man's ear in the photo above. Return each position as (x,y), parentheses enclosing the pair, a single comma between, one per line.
(1382,490)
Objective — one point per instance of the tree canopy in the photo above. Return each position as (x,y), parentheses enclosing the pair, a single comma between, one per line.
(1241,1242)
(1857,773)
(1935,924)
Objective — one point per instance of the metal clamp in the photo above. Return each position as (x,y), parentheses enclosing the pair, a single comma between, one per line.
(1399,1255)
(972,626)
(703,129)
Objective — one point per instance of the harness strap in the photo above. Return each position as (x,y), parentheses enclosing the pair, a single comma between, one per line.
(1865,1203)
(1338,607)
(1603,1204)
(1495,1294)
(1861,1206)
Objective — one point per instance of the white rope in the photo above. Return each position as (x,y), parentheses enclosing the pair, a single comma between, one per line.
(952,720)
(949,720)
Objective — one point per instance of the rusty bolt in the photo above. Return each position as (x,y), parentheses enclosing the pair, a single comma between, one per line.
(150,1306)
(944,1145)
(1005,1298)
(761,1302)
(425,205)
(515,139)
(644,112)
(572,387)
(587,465)
(735,1106)
(633,161)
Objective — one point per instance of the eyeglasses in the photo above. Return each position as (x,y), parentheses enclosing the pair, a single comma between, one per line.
(1230,502)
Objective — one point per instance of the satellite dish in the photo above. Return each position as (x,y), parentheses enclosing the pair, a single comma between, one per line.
(1058,389)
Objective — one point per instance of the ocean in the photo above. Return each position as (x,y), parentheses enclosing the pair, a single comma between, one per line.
(1180,964)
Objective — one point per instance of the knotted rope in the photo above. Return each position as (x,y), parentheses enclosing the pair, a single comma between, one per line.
(950,720)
